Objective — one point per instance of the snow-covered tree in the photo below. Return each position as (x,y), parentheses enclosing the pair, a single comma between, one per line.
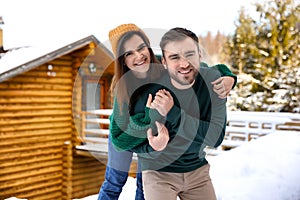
(267,52)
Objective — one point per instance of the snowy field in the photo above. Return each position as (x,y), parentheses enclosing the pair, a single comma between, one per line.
(263,169)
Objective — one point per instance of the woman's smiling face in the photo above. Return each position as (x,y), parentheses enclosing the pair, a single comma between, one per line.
(137,55)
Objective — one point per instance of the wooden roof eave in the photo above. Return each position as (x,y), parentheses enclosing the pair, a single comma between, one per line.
(51,56)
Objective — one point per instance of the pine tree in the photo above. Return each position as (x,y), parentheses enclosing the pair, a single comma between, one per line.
(268,51)
(240,46)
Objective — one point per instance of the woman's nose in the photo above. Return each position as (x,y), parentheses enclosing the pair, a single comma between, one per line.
(138,54)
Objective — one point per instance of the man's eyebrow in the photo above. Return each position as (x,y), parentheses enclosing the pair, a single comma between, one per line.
(191,51)
(173,55)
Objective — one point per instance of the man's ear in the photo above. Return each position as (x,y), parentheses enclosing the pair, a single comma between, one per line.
(163,61)
(200,54)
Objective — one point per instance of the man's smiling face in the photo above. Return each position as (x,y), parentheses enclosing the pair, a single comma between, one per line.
(182,60)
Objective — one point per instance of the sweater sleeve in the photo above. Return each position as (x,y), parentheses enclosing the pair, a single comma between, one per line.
(225,71)
(127,131)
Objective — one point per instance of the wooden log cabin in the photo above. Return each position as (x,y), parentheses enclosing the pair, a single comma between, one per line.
(42,93)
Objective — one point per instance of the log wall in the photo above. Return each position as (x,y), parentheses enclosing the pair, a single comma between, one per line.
(87,176)
(38,134)
(35,122)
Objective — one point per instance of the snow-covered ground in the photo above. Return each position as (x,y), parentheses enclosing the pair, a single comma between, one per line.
(263,169)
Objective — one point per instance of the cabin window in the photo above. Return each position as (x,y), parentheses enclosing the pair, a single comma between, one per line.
(92,99)
(95,96)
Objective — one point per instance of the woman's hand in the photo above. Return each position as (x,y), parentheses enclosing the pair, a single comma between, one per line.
(149,101)
(159,142)
(163,102)
(223,85)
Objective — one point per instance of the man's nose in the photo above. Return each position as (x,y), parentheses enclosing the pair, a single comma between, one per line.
(183,62)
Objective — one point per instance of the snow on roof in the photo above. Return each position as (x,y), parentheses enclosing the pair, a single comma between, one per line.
(19,56)
(23,59)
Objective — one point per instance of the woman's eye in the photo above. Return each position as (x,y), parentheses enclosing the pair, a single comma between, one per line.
(127,54)
(142,47)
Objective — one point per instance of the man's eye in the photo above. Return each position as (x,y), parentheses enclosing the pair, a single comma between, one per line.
(190,55)
(174,57)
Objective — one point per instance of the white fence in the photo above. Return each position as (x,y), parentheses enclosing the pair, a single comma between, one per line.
(242,126)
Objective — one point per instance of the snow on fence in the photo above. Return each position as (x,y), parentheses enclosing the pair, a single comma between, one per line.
(242,126)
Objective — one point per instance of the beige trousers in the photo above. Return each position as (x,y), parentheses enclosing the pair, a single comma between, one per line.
(194,185)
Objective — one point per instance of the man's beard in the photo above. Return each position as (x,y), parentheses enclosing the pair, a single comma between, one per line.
(184,80)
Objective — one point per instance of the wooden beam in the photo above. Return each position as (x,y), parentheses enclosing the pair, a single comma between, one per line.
(20,99)
(27,86)
(43,93)
(22,113)
(42,132)
(33,106)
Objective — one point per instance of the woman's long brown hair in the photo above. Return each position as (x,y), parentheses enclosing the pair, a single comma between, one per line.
(120,90)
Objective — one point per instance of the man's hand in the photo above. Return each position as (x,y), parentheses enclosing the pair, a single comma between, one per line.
(222,86)
(163,102)
(159,142)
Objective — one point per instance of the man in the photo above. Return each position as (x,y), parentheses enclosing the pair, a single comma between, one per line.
(174,165)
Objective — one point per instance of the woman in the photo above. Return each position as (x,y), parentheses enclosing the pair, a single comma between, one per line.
(136,65)
(133,67)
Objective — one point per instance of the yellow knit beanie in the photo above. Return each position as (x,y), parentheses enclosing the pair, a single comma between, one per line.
(116,33)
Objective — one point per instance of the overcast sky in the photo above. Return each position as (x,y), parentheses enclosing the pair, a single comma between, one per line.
(36,22)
